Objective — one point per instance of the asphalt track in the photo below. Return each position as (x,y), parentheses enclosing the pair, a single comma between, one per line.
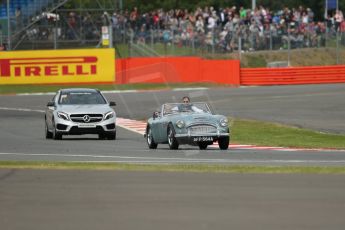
(319,107)
(89,200)
(74,199)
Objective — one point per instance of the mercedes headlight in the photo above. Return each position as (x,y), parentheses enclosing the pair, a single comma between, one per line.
(224,122)
(180,124)
(63,115)
(109,115)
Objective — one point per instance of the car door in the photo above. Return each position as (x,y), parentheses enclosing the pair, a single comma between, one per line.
(157,125)
(50,113)
(155,128)
(162,126)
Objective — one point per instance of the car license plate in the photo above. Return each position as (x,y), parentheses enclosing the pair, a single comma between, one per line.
(202,139)
(86,126)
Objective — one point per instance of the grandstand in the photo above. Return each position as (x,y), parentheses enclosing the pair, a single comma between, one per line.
(28,7)
(31,20)
(22,15)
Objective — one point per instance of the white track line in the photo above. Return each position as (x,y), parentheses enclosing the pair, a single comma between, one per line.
(121,91)
(22,109)
(127,159)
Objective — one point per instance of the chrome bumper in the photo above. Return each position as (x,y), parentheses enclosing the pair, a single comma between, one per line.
(202,135)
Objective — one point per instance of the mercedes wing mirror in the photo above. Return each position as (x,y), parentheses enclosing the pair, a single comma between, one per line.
(51,104)
(112,103)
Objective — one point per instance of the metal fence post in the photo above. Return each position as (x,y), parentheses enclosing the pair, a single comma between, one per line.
(271,40)
(193,42)
(152,37)
(124,34)
(172,42)
(213,41)
(110,31)
(342,44)
(289,44)
(55,37)
(337,50)
(240,47)
(8,26)
(131,35)
(326,36)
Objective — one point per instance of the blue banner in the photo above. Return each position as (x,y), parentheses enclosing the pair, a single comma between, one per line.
(331,4)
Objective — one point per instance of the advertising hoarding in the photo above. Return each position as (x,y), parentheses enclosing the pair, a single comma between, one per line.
(57,66)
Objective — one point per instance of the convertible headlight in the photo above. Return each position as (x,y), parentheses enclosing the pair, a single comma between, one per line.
(180,124)
(224,122)
(109,115)
(63,115)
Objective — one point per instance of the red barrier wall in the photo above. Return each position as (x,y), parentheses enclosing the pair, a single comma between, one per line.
(293,75)
(195,69)
(174,70)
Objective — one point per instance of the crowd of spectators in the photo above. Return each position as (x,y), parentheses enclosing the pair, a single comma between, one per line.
(220,29)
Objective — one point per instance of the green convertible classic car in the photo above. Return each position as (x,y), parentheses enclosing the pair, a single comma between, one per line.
(194,124)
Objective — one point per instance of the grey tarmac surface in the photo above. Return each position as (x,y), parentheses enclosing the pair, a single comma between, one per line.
(22,132)
(88,200)
(75,199)
(318,107)
(22,139)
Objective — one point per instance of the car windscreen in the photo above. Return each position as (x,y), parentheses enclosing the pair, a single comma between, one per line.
(81,98)
(174,108)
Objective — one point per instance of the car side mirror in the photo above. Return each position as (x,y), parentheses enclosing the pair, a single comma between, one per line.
(156,114)
(51,104)
(112,103)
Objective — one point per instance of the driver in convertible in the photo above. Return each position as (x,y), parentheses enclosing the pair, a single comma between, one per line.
(186,106)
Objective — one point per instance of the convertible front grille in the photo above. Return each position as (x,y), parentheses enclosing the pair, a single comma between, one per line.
(79,118)
(202,129)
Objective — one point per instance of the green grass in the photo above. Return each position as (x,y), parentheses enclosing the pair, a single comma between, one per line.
(256,61)
(196,168)
(271,134)
(160,49)
(13,89)
(298,57)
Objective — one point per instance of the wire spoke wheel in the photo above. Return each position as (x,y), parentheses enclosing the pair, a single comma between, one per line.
(173,144)
(149,138)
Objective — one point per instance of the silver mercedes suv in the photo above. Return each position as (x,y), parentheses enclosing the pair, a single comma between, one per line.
(79,111)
